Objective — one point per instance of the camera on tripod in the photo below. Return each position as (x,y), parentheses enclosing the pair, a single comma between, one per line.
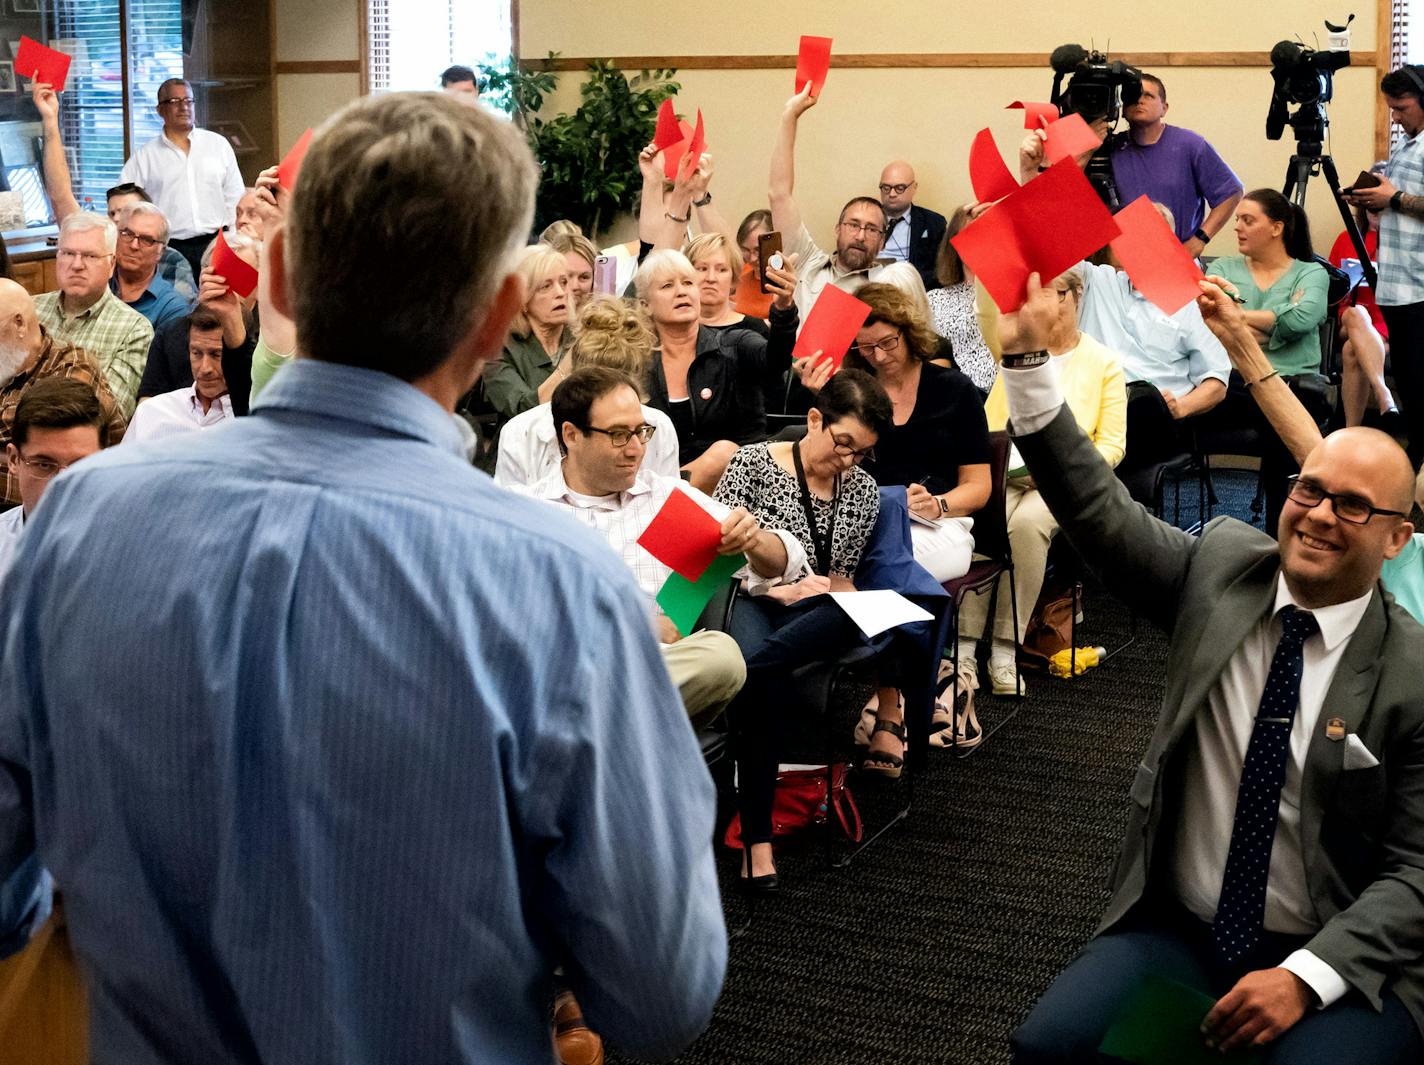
(1098,90)
(1304,78)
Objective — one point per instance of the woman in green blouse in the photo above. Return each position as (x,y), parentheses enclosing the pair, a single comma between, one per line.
(1285,289)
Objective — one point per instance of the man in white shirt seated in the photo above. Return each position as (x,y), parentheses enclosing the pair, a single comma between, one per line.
(601,483)
(58,422)
(191,174)
(203,404)
(611,334)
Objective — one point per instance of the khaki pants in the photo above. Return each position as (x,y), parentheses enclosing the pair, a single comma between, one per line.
(708,669)
(1031,531)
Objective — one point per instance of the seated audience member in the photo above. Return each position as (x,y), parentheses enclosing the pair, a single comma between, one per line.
(952,311)
(560,227)
(58,422)
(28,355)
(579,256)
(601,482)
(88,315)
(750,299)
(718,263)
(860,229)
(708,381)
(579,798)
(169,366)
(1286,294)
(611,335)
(814,489)
(201,405)
(913,233)
(143,235)
(1366,333)
(1269,859)
(1092,381)
(524,374)
(1403,575)
(172,267)
(459,81)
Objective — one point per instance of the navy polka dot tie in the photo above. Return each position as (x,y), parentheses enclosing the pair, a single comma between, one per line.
(1241,910)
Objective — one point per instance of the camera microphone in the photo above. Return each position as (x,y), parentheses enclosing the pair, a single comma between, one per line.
(1066,57)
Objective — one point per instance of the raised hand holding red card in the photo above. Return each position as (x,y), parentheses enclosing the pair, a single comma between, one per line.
(43,64)
(1156,261)
(241,278)
(813,62)
(1036,115)
(1068,137)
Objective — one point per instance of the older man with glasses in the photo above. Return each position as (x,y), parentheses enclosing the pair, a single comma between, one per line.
(143,235)
(191,174)
(88,315)
(860,229)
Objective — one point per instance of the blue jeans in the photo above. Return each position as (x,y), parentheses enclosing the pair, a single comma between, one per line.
(1070,1020)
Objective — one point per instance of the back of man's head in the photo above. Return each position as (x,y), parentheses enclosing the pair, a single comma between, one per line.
(401,229)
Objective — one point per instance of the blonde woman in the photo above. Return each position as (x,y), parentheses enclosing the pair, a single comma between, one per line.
(524,374)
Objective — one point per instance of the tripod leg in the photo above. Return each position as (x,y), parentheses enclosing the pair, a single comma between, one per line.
(1357,239)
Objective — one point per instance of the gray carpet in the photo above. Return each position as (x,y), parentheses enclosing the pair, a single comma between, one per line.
(937,941)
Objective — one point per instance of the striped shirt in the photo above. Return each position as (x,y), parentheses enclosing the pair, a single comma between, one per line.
(1401,236)
(114,334)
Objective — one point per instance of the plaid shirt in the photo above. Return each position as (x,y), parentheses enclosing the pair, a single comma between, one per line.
(56,359)
(116,335)
(1401,236)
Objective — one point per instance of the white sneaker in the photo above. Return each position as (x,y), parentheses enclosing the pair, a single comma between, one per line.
(1002,678)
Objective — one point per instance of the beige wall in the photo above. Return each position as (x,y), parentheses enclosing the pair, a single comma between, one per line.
(869,116)
(307,31)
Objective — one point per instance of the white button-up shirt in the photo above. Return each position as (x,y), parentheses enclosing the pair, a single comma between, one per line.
(179,411)
(529,450)
(197,190)
(12,523)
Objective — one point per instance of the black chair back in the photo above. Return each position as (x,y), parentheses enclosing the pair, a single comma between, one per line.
(991,522)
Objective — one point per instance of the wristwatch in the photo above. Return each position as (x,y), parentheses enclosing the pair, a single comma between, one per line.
(1395,201)
(943,506)
(1024,360)
(703,202)
(1201,235)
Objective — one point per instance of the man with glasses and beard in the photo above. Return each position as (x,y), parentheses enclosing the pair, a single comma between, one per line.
(28,354)
(860,229)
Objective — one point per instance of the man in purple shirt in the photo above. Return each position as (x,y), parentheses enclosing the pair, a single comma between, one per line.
(1174,166)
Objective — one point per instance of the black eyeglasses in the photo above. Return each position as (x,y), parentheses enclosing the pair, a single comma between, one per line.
(1347,507)
(146,243)
(846,447)
(620,437)
(889,343)
(898,190)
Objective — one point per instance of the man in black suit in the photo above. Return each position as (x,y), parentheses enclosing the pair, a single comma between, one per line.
(913,234)
(1274,852)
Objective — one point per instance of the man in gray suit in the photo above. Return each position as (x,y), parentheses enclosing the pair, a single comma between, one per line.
(1274,854)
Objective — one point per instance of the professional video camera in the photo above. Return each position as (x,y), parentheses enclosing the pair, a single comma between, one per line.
(1304,78)
(1098,90)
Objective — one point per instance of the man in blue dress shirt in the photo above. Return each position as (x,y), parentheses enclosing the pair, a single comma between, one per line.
(342,776)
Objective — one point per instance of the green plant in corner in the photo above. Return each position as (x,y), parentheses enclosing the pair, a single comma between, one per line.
(588,158)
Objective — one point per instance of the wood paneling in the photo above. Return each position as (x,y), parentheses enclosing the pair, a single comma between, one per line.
(319,66)
(897,60)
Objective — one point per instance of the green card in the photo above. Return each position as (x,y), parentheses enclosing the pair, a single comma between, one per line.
(683,600)
(1161,1025)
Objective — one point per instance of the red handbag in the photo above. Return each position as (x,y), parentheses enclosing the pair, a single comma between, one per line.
(800,803)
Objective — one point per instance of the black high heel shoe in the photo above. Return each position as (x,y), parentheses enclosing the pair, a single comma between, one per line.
(769,884)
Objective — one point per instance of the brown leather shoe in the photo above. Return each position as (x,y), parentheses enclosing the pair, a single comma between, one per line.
(574,1042)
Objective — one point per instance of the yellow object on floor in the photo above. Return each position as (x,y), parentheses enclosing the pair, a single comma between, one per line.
(1087,658)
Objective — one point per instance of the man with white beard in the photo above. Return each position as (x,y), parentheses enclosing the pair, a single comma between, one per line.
(29,354)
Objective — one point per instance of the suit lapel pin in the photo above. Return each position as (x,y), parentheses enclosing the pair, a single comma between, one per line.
(1335,729)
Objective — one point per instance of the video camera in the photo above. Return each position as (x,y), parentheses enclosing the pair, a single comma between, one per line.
(1304,78)
(1097,88)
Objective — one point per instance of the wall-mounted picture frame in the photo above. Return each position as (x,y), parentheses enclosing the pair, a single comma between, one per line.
(7,76)
(25,7)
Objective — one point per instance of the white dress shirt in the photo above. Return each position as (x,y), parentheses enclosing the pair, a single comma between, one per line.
(179,411)
(528,450)
(1217,750)
(620,519)
(12,523)
(197,190)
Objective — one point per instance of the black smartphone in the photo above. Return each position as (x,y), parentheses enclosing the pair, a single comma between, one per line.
(768,244)
(1366,180)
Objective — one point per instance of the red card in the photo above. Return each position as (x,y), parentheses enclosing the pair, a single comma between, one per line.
(988,173)
(673,153)
(1154,258)
(241,278)
(1067,137)
(1047,226)
(683,535)
(835,319)
(813,61)
(668,132)
(34,60)
(698,143)
(1036,115)
(291,164)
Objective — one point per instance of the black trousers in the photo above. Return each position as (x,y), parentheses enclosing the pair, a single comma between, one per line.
(192,248)
(1406,357)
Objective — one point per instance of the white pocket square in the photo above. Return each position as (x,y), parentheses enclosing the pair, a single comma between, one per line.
(1357,755)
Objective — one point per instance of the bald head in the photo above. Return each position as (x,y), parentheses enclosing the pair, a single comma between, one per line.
(19,325)
(1371,458)
(897,187)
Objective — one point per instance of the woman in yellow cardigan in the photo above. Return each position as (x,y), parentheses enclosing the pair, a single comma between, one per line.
(1096,392)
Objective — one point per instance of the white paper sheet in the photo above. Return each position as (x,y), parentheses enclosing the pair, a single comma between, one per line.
(874,612)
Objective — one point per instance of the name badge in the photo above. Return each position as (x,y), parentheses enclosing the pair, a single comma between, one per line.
(1335,729)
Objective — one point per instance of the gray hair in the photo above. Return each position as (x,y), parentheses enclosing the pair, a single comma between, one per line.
(388,179)
(659,265)
(143,208)
(85,221)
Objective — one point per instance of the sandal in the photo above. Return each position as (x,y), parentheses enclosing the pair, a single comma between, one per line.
(966,731)
(866,725)
(883,763)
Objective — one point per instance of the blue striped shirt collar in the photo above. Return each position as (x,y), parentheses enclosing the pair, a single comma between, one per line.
(369,397)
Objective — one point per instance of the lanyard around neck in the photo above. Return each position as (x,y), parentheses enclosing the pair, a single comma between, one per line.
(822,546)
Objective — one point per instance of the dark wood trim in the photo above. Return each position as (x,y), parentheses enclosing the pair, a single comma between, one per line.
(896,60)
(319,66)
(124,66)
(272,77)
(1384,52)
(513,27)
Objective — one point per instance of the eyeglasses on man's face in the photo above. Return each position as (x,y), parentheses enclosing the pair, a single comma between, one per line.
(620,437)
(43,469)
(886,344)
(896,190)
(870,229)
(88,258)
(177,102)
(146,243)
(1347,507)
